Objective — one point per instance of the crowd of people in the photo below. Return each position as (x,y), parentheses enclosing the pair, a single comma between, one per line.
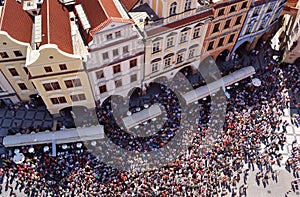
(215,163)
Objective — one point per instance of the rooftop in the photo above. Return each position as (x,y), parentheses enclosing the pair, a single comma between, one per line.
(15,21)
(100,13)
(129,4)
(56,28)
(147,20)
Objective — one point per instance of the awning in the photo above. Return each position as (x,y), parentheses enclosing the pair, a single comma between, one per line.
(142,116)
(215,86)
(61,137)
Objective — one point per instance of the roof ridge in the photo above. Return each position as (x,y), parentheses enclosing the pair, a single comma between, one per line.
(107,16)
(48,22)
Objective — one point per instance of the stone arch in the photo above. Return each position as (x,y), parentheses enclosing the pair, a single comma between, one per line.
(223,54)
(133,90)
(242,47)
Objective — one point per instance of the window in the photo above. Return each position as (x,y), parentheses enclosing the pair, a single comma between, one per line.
(270,8)
(78,97)
(167,62)
(73,83)
(109,37)
(48,69)
(51,86)
(173,9)
(155,47)
(179,58)
(125,49)
(187,5)
(232,8)
(117,69)
(13,72)
(58,100)
(22,86)
(4,55)
(54,101)
(55,85)
(102,89)
(230,40)
(18,53)
(244,5)
(170,42)
(264,22)
(192,53)
(183,37)
(216,28)
(248,30)
(118,83)
(105,56)
(238,20)
(133,78)
(221,41)
(221,12)
(63,67)
(118,34)
(47,86)
(100,74)
(133,63)
(81,97)
(210,46)
(155,67)
(196,33)
(115,52)
(227,24)
(255,12)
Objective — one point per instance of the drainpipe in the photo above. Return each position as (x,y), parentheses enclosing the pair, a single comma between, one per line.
(144,64)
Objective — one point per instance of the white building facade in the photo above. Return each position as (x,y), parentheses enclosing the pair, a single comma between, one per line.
(261,17)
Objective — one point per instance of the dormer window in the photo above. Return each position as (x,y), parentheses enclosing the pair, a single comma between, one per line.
(109,37)
(173,9)
(118,34)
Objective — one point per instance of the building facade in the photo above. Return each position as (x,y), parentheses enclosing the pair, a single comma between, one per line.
(261,17)
(115,61)
(173,35)
(42,55)
(224,29)
(7,93)
(286,39)
(14,45)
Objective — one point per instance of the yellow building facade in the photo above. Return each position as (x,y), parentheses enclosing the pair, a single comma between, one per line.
(12,64)
(59,78)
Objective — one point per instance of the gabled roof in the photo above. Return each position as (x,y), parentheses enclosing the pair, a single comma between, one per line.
(15,21)
(100,13)
(56,27)
(129,4)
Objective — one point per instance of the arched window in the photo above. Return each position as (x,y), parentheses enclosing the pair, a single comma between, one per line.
(187,5)
(173,8)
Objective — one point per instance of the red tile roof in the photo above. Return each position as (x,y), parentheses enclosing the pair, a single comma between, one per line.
(56,27)
(129,4)
(100,13)
(16,22)
(179,23)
